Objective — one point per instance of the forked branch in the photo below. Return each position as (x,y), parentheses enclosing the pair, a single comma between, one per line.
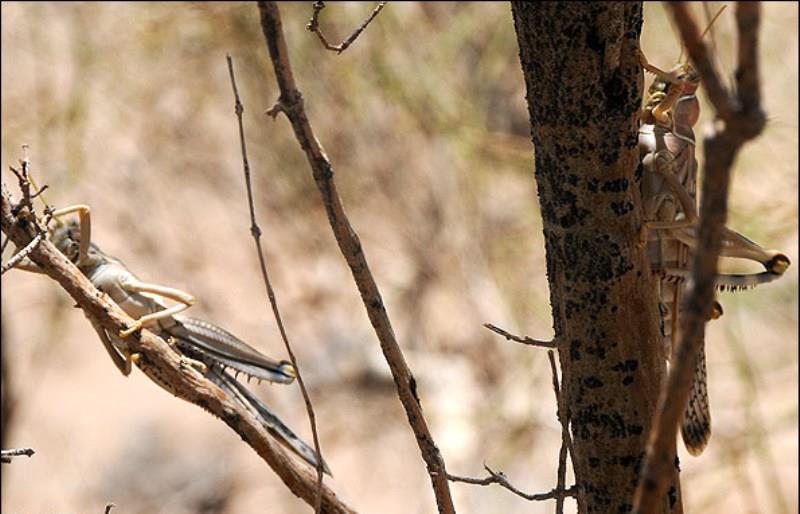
(313,26)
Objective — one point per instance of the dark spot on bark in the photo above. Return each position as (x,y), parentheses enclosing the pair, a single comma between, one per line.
(593,382)
(594,462)
(615,94)
(672,494)
(615,186)
(628,380)
(376,303)
(594,41)
(412,384)
(635,429)
(625,507)
(575,350)
(621,208)
(570,308)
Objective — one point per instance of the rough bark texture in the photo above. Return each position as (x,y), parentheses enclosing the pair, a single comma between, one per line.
(584,88)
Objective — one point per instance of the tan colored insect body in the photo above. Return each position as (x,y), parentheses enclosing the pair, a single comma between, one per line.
(669,186)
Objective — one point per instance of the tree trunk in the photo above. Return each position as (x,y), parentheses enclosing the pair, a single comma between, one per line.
(584,88)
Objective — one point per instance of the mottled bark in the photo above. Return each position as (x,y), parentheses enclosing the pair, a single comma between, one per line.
(584,88)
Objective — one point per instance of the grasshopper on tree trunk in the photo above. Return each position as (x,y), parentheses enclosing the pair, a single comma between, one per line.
(668,173)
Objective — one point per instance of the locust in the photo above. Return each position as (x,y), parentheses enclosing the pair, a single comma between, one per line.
(669,194)
(202,345)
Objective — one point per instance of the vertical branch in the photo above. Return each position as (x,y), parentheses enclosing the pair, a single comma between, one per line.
(291,104)
(743,120)
(255,230)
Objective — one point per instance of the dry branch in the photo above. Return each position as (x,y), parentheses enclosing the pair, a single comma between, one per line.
(498,477)
(6,455)
(255,230)
(158,360)
(313,26)
(743,120)
(290,103)
(521,339)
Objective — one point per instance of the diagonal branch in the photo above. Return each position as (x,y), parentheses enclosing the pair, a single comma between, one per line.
(290,103)
(158,361)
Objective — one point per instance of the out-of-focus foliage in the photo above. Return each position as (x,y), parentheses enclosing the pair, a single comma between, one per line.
(128,108)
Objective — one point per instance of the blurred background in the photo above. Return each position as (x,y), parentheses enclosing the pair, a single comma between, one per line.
(128,108)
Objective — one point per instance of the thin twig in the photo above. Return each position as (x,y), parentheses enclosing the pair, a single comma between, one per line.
(163,365)
(6,455)
(255,230)
(566,439)
(313,26)
(698,50)
(521,339)
(744,120)
(498,477)
(109,506)
(22,253)
(350,246)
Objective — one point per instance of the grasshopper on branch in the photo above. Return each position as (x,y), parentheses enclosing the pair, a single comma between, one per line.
(669,195)
(201,345)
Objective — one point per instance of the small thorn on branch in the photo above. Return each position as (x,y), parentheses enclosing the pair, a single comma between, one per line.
(521,339)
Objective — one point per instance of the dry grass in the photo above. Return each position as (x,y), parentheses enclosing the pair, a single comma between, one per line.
(128,108)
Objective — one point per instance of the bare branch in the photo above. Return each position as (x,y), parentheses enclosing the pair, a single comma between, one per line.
(6,455)
(109,506)
(521,339)
(161,363)
(17,257)
(699,52)
(313,26)
(498,477)
(748,85)
(566,439)
(350,246)
(255,230)
(721,145)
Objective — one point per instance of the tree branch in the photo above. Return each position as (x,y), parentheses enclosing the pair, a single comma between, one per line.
(498,477)
(520,339)
(313,26)
(255,230)
(6,455)
(290,103)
